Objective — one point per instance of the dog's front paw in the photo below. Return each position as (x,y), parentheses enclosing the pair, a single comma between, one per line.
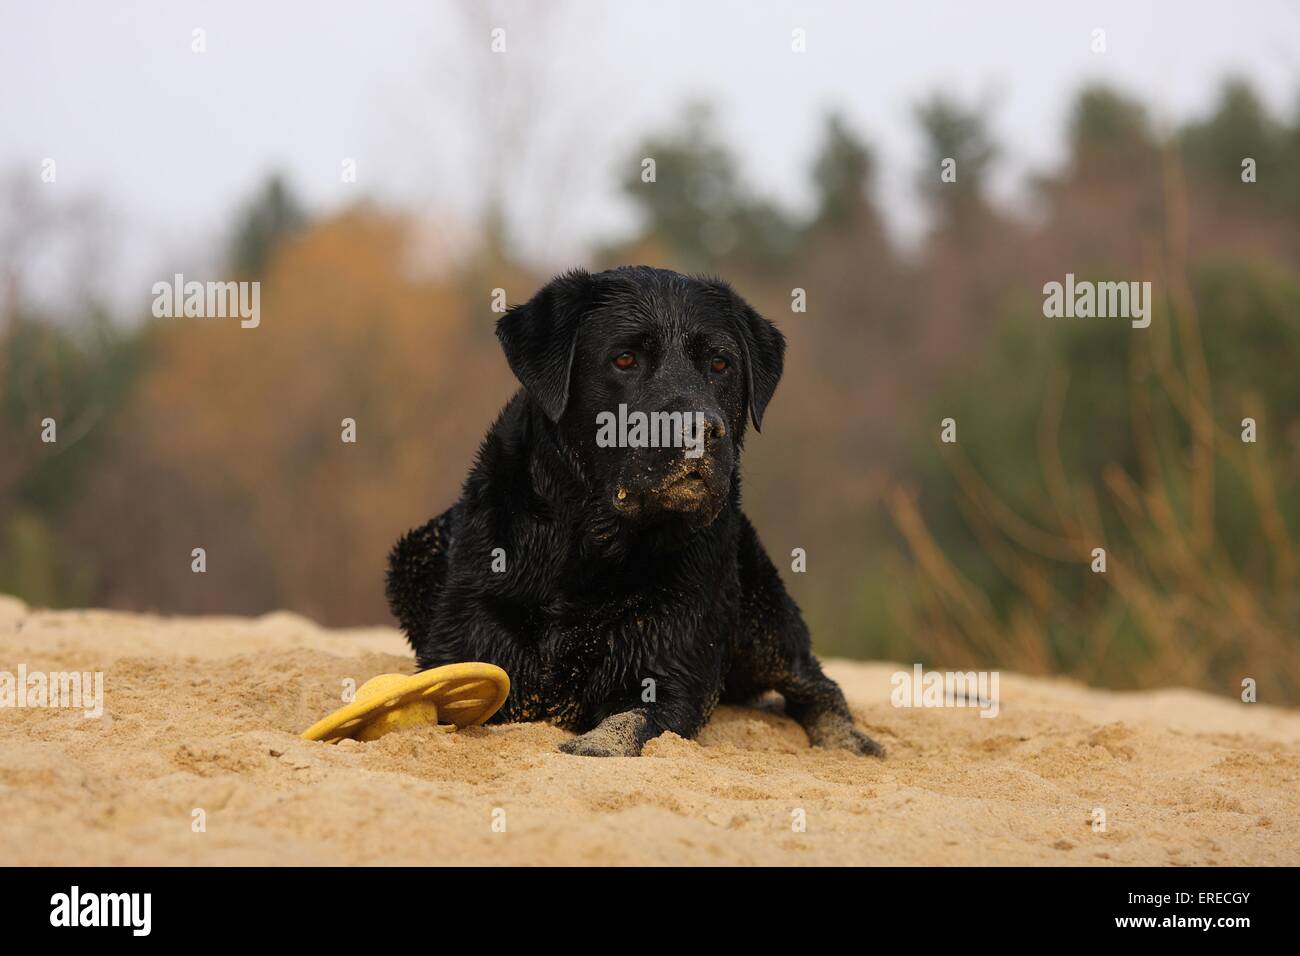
(838,733)
(621,735)
(863,745)
(588,747)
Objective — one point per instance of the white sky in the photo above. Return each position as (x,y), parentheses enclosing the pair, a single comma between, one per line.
(170,140)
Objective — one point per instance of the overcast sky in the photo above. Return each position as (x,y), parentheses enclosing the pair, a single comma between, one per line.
(169,139)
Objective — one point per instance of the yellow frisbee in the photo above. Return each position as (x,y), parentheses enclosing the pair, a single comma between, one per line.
(456,695)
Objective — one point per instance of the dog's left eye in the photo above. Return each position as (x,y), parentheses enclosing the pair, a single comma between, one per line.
(719,364)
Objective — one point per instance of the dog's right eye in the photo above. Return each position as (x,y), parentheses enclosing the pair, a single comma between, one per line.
(624,361)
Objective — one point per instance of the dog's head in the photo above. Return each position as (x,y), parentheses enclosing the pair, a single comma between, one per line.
(649,376)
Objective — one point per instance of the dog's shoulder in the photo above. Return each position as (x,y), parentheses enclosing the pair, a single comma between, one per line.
(501,476)
(512,497)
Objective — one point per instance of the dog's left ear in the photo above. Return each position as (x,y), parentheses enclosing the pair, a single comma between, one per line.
(764,348)
(764,359)
(539,338)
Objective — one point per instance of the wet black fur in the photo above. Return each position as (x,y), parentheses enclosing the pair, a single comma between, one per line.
(603,592)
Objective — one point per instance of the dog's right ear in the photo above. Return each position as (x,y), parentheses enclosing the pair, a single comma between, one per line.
(539,338)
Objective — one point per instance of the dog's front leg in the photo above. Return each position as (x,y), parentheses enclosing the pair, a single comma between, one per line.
(777,654)
(618,735)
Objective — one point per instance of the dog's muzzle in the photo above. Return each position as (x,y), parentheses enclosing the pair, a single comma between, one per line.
(687,493)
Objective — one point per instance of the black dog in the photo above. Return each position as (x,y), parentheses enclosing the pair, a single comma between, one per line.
(621,588)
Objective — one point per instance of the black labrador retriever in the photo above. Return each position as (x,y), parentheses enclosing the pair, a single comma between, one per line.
(598,552)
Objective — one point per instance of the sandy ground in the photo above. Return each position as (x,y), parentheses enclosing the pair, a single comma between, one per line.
(204,714)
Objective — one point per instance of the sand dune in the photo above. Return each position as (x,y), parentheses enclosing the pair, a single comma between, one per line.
(203,714)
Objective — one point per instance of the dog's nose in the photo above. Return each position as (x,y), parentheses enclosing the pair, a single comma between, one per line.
(714,430)
(710,423)
(714,426)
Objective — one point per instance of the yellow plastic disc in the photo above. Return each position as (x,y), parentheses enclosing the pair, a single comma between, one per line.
(456,695)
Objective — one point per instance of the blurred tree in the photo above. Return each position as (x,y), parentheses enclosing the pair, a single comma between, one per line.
(268,218)
(1240,126)
(347,333)
(1107,133)
(1106,206)
(78,379)
(973,252)
(697,204)
(960,133)
(841,173)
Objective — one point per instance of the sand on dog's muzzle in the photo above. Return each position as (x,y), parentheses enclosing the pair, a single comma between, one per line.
(448,697)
